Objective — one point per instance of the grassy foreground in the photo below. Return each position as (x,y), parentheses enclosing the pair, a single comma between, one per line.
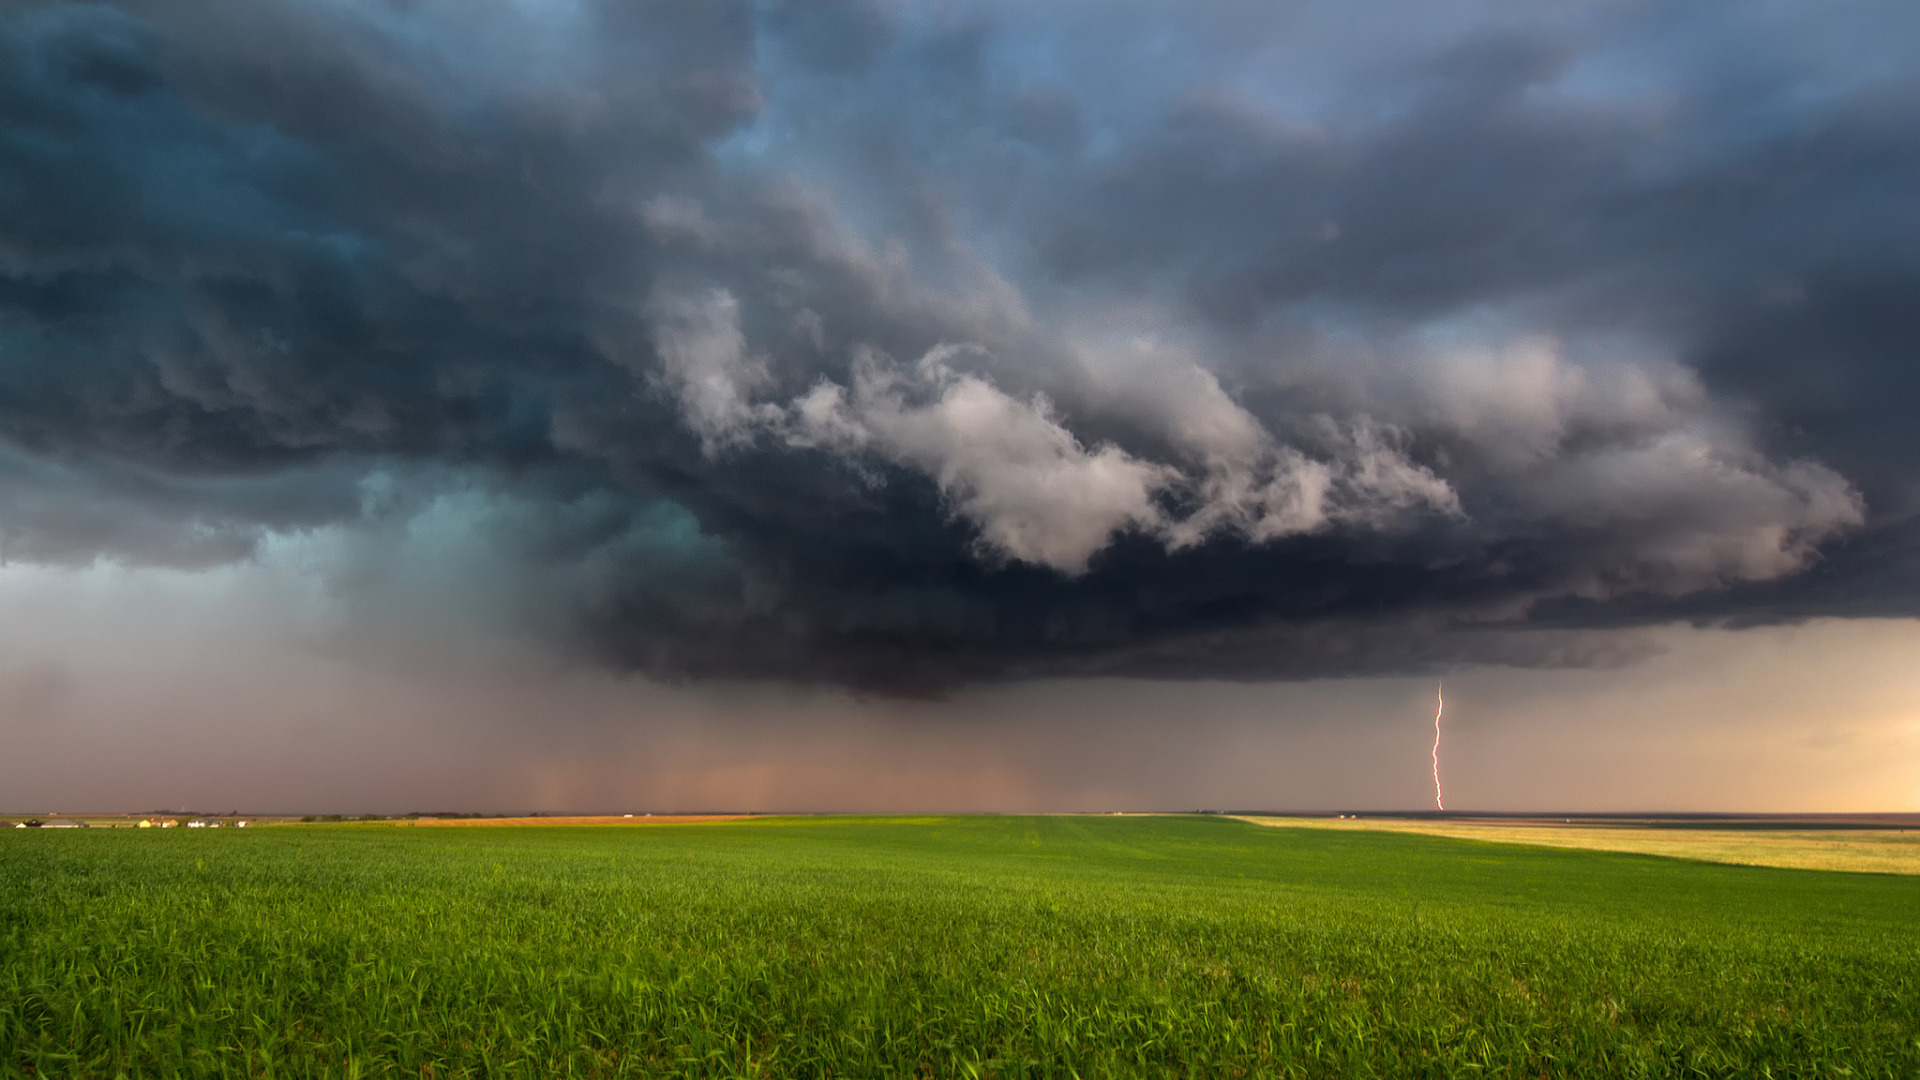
(934,947)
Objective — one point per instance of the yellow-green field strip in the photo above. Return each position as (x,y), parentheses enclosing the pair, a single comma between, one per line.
(1882,851)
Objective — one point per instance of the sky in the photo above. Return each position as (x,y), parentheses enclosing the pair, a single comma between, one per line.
(866,405)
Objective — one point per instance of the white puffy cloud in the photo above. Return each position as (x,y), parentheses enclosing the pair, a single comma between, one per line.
(1694,512)
(1007,465)
(1626,457)
(1010,466)
(705,364)
(1518,402)
(1244,480)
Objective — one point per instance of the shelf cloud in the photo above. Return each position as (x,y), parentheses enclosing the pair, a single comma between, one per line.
(899,348)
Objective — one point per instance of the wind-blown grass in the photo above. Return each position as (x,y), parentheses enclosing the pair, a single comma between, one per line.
(935,947)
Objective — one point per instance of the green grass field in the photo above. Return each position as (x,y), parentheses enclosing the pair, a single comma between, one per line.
(950,947)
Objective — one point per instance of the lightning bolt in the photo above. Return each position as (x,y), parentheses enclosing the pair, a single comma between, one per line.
(1441,694)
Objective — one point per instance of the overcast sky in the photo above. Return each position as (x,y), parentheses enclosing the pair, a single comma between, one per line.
(505,404)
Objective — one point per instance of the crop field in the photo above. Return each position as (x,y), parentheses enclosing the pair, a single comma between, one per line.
(1880,851)
(934,947)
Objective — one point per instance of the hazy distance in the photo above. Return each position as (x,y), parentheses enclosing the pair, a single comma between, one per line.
(580,404)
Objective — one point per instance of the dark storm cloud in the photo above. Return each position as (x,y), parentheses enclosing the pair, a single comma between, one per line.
(895,347)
